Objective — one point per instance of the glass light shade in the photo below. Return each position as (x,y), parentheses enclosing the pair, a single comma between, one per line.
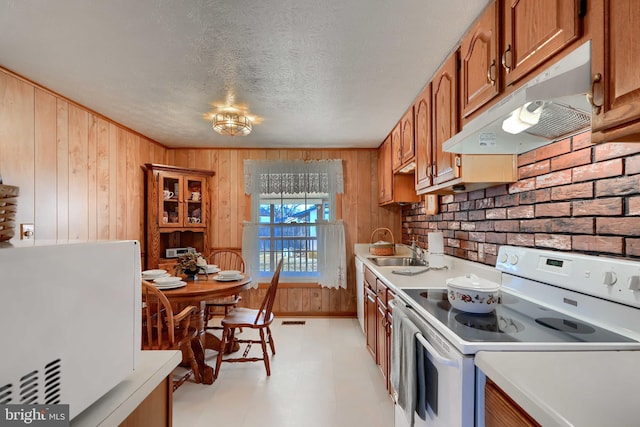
(231,124)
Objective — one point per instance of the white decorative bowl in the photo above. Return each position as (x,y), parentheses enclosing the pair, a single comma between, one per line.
(473,294)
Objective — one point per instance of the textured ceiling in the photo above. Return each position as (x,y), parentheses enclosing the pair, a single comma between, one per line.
(316,73)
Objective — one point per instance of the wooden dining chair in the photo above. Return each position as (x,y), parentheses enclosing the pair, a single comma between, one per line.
(225,259)
(164,330)
(260,319)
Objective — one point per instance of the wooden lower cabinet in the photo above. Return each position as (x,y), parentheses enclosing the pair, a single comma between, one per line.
(377,319)
(382,356)
(154,411)
(501,411)
(370,309)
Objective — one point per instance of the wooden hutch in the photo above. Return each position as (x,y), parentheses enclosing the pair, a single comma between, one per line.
(178,211)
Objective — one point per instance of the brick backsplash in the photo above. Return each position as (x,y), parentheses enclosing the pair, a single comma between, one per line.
(571,195)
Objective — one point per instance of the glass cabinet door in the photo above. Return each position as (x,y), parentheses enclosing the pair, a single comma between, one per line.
(170,201)
(195,192)
(181,201)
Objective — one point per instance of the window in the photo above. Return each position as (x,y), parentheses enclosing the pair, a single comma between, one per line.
(293,217)
(288,230)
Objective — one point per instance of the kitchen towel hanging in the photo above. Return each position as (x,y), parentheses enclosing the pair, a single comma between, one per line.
(403,362)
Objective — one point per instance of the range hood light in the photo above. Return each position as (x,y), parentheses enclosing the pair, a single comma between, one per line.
(523,118)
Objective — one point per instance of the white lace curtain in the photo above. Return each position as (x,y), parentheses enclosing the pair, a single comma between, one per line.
(274,177)
(281,177)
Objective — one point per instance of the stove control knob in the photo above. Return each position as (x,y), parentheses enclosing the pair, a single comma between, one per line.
(634,283)
(513,260)
(609,278)
(503,257)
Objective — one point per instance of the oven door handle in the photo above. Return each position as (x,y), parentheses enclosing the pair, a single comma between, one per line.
(431,349)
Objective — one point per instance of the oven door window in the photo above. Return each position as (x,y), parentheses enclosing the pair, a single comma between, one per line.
(440,394)
(427,384)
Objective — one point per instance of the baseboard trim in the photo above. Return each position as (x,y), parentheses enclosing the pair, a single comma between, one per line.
(316,314)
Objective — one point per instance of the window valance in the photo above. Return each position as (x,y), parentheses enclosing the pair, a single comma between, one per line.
(267,177)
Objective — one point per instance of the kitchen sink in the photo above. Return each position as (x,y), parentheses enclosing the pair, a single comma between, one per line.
(397,261)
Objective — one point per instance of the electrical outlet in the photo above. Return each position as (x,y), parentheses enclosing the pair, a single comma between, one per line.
(27,231)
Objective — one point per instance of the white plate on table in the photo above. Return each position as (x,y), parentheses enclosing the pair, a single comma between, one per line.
(155,277)
(222,278)
(153,272)
(173,285)
(213,270)
(167,280)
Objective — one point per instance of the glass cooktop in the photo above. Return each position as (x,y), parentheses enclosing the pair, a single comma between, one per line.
(514,320)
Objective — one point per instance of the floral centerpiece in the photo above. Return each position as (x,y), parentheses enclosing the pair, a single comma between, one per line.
(190,264)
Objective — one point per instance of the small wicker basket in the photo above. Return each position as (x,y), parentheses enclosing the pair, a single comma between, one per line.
(382,248)
(8,208)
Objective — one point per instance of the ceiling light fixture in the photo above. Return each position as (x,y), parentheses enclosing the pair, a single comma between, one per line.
(231,123)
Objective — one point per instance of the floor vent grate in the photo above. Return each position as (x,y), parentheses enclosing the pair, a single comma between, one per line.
(294,322)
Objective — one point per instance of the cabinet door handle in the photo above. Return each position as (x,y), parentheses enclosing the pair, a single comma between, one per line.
(597,78)
(504,59)
(490,74)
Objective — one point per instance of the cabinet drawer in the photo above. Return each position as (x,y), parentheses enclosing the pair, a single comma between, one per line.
(370,277)
(381,291)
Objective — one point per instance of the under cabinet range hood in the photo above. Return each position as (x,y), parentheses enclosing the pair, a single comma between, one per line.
(551,106)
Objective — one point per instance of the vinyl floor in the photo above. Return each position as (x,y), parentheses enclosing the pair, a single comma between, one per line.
(321,376)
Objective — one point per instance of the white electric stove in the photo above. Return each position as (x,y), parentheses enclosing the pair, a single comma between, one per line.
(550,301)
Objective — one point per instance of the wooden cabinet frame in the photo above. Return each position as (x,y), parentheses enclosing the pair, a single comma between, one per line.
(615,62)
(163,234)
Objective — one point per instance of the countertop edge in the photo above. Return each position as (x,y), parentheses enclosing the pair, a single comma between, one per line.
(116,405)
(567,389)
(538,410)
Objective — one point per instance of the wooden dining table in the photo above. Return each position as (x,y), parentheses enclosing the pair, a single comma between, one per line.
(196,293)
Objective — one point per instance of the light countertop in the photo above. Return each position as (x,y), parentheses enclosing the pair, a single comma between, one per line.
(116,405)
(566,389)
(429,279)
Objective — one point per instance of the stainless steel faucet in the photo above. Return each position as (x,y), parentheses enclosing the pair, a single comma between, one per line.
(416,252)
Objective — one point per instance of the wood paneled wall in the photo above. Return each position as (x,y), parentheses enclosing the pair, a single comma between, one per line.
(359,211)
(79,173)
(81,179)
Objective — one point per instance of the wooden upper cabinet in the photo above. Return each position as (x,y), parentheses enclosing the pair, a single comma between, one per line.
(480,76)
(445,118)
(394,188)
(535,30)
(406,132)
(396,144)
(615,67)
(385,172)
(403,151)
(423,139)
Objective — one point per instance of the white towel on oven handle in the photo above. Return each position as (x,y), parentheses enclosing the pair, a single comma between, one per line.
(403,362)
